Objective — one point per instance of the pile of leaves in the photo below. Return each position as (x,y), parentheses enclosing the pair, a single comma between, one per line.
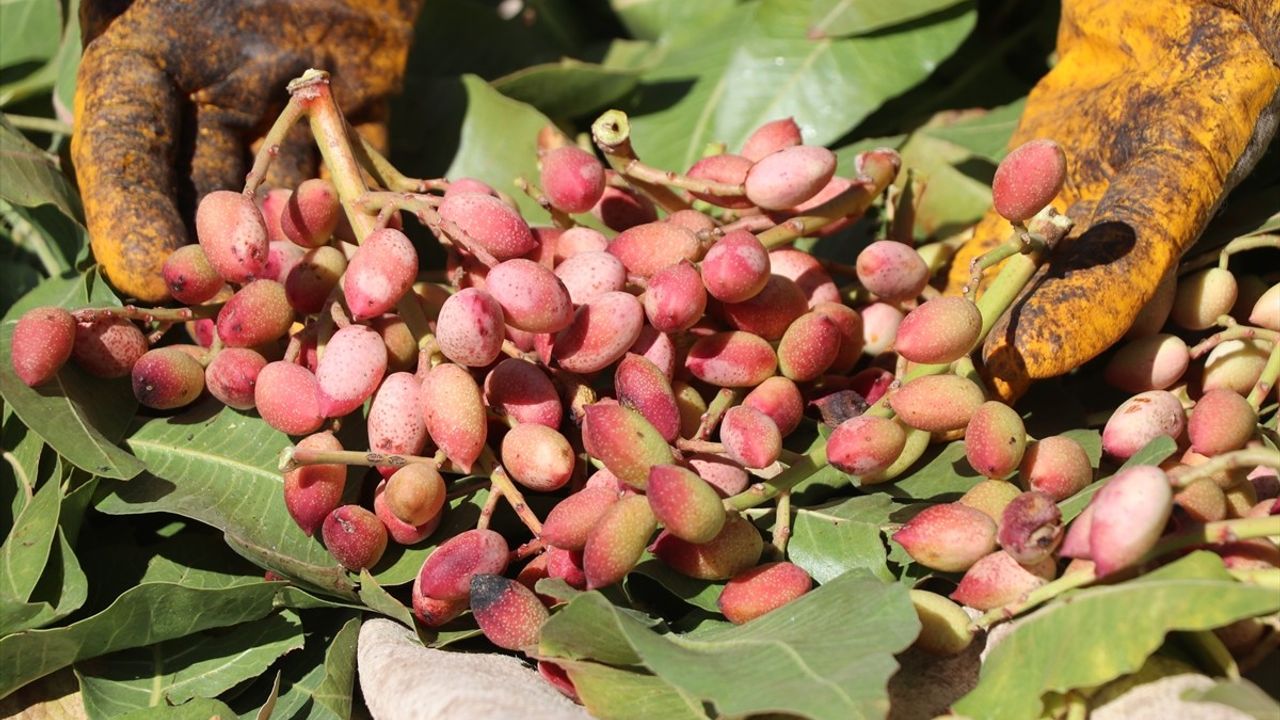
(136,542)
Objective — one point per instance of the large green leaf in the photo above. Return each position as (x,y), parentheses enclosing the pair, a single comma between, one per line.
(317,681)
(202,665)
(148,613)
(614,694)
(21,468)
(568,88)
(61,591)
(944,478)
(986,135)
(38,42)
(69,292)
(828,654)
(854,17)
(198,709)
(379,600)
(30,177)
(26,548)
(954,185)
(29,31)
(1096,635)
(663,19)
(466,128)
(79,416)
(723,83)
(218,466)
(828,545)
(701,594)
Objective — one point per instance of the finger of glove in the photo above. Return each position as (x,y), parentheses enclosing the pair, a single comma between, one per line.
(123,147)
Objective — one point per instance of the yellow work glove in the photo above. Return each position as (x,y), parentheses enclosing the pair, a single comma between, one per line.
(1162,106)
(171,95)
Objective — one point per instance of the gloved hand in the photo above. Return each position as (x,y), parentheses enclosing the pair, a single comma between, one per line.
(1161,107)
(170,96)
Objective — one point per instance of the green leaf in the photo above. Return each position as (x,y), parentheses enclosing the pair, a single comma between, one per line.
(31,178)
(828,654)
(21,468)
(63,62)
(78,492)
(568,88)
(198,709)
(614,694)
(67,61)
(1239,694)
(269,706)
(986,135)
(721,84)
(29,32)
(317,682)
(69,292)
(956,186)
(1091,441)
(838,18)
(1153,453)
(466,128)
(81,417)
(698,593)
(26,548)
(148,613)
(826,546)
(663,19)
(944,478)
(61,591)
(588,628)
(16,278)
(380,601)
(1094,636)
(173,672)
(216,465)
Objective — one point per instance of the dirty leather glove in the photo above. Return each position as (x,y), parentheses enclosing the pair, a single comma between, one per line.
(171,94)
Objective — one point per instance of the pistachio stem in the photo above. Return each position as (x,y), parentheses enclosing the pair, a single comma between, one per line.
(725,398)
(148,315)
(699,446)
(1232,331)
(490,505)
(612,134)
(386,174)
(1185,475)
(503,485)
(1267,380)
(292,113)
(1242,244)
(853,201)
(1216,533)
(636,170)
(293,457)
(333,136)
(559,218)
(1223,531)
(782,524)
(761,492)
